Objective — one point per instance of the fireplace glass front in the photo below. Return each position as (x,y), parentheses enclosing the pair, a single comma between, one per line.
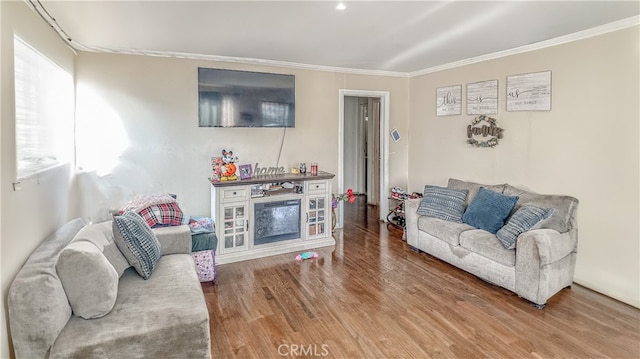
(276,221)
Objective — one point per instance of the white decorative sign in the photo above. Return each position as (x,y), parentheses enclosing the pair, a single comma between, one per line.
(267,170)
(482,98)
(449,100)
(529,92)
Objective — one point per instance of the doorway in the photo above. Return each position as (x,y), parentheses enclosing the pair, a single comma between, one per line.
(363,152)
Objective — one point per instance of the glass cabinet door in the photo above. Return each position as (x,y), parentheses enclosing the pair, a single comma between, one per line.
(316,214)
(235,226)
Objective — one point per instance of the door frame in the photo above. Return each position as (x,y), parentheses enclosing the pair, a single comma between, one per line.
(384,97)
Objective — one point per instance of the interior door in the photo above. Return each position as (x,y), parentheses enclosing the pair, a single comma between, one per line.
(375,114)
(373,152)
(379,147)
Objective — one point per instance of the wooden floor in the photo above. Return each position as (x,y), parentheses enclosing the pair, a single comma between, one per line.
(372,297)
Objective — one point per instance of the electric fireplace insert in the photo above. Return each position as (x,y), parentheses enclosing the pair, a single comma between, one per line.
(276,221)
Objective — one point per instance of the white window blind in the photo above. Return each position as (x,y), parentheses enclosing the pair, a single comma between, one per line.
(44,100)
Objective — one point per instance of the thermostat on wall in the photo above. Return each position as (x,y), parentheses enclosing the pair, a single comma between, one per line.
(395,135)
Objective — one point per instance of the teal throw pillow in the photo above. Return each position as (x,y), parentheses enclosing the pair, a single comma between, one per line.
(525,219)
(488,210)
(443,203)
(137,242)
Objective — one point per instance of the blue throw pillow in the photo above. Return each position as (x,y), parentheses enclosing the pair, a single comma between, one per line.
(525,219)
(443,203)
(137,242)
(488,210)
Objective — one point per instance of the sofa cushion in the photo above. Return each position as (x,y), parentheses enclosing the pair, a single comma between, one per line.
(445,230)
(164,316)
(487,245)
(564,206)
(137,242)
(488,210)
(101,235)
(526,218)
(473,188)
(443,203)
(89,280)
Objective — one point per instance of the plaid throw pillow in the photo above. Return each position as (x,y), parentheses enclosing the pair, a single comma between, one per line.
(137,242)
(163,214)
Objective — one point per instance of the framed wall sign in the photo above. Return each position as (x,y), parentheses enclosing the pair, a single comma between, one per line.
(246,172)
(449,100)
(482,98)
(529,92)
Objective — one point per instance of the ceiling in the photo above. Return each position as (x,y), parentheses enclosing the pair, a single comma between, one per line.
(375,36)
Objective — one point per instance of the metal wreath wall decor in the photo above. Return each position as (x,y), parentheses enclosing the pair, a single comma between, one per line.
(478,128)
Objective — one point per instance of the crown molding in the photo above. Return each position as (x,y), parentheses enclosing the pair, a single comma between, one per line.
(596,31)
(240,60)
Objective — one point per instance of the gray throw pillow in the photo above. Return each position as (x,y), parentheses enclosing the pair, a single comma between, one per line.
(525,219)
(101,235)
(88,279)
(137,242)
(443,203)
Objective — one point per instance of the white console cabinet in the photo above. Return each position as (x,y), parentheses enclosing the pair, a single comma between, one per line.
(318,206)
(271,214)
(233,219)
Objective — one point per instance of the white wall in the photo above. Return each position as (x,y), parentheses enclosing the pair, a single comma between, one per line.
(587,146)
(47,201)
(143,113)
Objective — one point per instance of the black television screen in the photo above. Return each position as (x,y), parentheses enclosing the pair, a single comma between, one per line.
(230,98)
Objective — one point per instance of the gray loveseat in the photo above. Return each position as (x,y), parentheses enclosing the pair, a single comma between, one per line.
(542,262)
(164,316)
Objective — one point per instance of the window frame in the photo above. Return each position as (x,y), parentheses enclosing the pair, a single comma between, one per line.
(48,110)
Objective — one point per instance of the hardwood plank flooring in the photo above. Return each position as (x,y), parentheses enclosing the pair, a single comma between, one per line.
(372,297)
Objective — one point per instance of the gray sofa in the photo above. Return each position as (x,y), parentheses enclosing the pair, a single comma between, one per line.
(542,262)
(164,316)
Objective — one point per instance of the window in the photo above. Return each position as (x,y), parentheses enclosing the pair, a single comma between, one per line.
(44,100)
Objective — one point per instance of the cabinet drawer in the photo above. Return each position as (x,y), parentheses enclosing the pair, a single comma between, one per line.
(317,186)
(234,193)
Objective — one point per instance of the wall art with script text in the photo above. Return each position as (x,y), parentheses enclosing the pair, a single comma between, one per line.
(482,98)
(449,100)
(529,92)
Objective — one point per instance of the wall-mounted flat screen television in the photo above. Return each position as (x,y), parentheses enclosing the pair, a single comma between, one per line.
(230,98)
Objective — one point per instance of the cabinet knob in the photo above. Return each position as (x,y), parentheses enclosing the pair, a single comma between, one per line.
(317,186)
(234,193)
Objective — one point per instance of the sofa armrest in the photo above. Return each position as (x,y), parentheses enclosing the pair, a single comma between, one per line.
(545,263)
(411,220)
(174,239)
(549,245)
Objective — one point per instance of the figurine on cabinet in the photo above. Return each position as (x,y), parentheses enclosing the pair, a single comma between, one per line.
(229,166)
(217,168)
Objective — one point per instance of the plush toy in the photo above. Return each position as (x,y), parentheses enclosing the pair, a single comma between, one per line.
(306,255)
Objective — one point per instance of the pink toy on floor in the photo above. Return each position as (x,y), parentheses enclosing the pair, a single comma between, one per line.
(306,255)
